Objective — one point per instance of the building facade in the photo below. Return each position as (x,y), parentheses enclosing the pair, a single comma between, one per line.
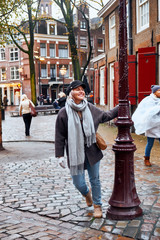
(143,31)
(51,56)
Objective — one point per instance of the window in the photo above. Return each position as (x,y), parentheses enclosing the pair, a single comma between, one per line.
(63,50)
(14,54)
(14,73)
(100,44)
(103,29)
(43,70)
(83,42)
(127,20)
(82,25)
(52,50)
(42,9)
(76,40)
(92,42)
(112,32)
(47,9)
(43,49)
(142,15)
(53,72)
(158,10)
(2,54)
(52,29)
(3,74)
(67,73)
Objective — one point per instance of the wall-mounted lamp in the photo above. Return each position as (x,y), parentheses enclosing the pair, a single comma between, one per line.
(20,70)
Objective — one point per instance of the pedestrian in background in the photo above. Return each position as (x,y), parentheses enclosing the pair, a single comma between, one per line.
(48,99)
(147,120)
(76,126)
(25,111)
(41,99)
(5,101)
(62,99)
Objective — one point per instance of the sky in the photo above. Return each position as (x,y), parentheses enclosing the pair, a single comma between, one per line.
(93,12)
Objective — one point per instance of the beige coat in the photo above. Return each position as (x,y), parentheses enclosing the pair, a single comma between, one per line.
(24,106)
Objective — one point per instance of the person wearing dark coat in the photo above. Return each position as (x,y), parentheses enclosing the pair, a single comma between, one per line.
(62,99)
(76,125)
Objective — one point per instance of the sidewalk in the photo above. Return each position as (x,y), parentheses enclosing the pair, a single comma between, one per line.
(39,201)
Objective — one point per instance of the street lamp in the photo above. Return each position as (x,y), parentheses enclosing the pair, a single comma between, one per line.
(63,71)
(124,202)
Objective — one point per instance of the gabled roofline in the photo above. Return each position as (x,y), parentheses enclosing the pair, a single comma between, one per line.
(105,8)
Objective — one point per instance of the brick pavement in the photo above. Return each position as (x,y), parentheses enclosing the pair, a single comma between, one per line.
(39,201)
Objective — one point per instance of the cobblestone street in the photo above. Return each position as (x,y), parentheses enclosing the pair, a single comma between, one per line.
(39,201)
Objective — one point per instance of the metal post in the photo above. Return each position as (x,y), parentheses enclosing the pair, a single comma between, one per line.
(63,83)
(124,202)
(39,78)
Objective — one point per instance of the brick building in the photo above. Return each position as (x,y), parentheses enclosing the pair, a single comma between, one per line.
(143,30)
(51,53)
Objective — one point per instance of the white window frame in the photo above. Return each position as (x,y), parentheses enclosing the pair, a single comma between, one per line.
(127,19)
(103,29)
(14,54)
(53,70)
(48,27)
(52,51)
(83,25)
(44,71)
(2,54)
(112,31)
(76,40)
(42,9)
(83,42)
(47,9)
(63,52)
(92,42)
(111,68)
(158,10)
(15,75)
(43,50)
(141,5)
(3,73)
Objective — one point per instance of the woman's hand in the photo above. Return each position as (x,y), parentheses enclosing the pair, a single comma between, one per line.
(62,162)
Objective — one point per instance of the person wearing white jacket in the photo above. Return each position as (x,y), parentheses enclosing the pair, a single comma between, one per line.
(25,111)
(146,120)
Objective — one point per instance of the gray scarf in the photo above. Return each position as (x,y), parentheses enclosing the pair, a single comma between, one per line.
(76,137)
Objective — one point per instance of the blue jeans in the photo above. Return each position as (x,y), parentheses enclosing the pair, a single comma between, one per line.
(149,146)
(80,183)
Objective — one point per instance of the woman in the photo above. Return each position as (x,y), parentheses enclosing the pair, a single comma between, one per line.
(147,120)
(76,126)
(62,99)
(25,111)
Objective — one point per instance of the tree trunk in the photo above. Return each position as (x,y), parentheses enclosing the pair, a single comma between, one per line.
(32,80)
(74,55)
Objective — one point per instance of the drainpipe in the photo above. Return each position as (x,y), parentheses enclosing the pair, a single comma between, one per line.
(130,39)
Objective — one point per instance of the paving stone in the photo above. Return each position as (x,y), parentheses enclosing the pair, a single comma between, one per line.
(121,224)
(144,235)
(134,223)
(118,231)
(147,227)
(157,232)
(130,232)
(106,228)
